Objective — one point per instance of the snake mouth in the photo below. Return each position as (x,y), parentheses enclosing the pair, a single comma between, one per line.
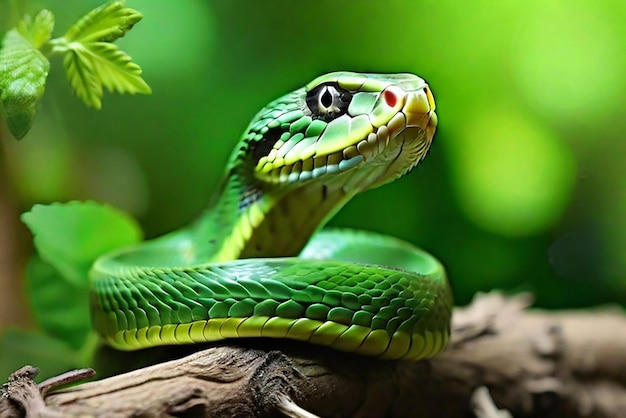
(399,141)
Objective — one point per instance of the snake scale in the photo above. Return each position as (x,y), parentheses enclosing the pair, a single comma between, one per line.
(256,264)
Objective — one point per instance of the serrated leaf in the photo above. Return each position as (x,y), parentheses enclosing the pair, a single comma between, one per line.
(60,307)
(83,77)
(51,356)
(91,66)
(116,70)
(23,74)
(70,236)
(103,24)
(37,31)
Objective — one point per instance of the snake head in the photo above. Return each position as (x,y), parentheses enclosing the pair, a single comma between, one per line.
(378,125)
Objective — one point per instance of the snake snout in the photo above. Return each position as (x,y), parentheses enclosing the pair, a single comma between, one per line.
(409,134)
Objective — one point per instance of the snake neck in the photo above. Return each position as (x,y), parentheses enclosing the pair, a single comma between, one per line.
(249,219)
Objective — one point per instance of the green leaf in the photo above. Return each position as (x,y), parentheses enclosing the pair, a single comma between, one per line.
(83,77)
(97,64)
(37,31)
(61,307)
(116,70)
(103,24)
(92,61)
(71,236)
(51,356)
(23,74)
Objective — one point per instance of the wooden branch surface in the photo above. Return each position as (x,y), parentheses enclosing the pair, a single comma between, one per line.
(502,358)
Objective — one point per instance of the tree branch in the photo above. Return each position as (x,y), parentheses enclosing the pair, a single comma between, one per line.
(502,358)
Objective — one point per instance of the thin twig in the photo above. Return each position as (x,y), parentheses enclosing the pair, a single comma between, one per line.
(66,378)
(289,408)
(484,407)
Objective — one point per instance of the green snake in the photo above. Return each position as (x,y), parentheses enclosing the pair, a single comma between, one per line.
(256,263)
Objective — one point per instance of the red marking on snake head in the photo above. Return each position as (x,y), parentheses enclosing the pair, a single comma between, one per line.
(390,98)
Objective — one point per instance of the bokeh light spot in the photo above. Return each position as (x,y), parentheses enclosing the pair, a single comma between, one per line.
(511,176)
(567,61)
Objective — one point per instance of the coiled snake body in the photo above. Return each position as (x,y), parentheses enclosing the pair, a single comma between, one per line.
(254,265)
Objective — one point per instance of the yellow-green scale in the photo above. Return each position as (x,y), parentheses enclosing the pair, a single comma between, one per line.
(276,224)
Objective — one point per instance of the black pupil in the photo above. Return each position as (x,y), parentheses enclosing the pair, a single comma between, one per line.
(327,98)
(328,101)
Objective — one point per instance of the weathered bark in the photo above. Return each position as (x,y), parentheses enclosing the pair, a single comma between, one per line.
(533,363)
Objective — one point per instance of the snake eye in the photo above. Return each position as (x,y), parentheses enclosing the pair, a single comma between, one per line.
(328,101)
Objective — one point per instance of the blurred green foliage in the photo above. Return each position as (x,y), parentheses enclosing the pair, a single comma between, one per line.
(524,187)
(69,238)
